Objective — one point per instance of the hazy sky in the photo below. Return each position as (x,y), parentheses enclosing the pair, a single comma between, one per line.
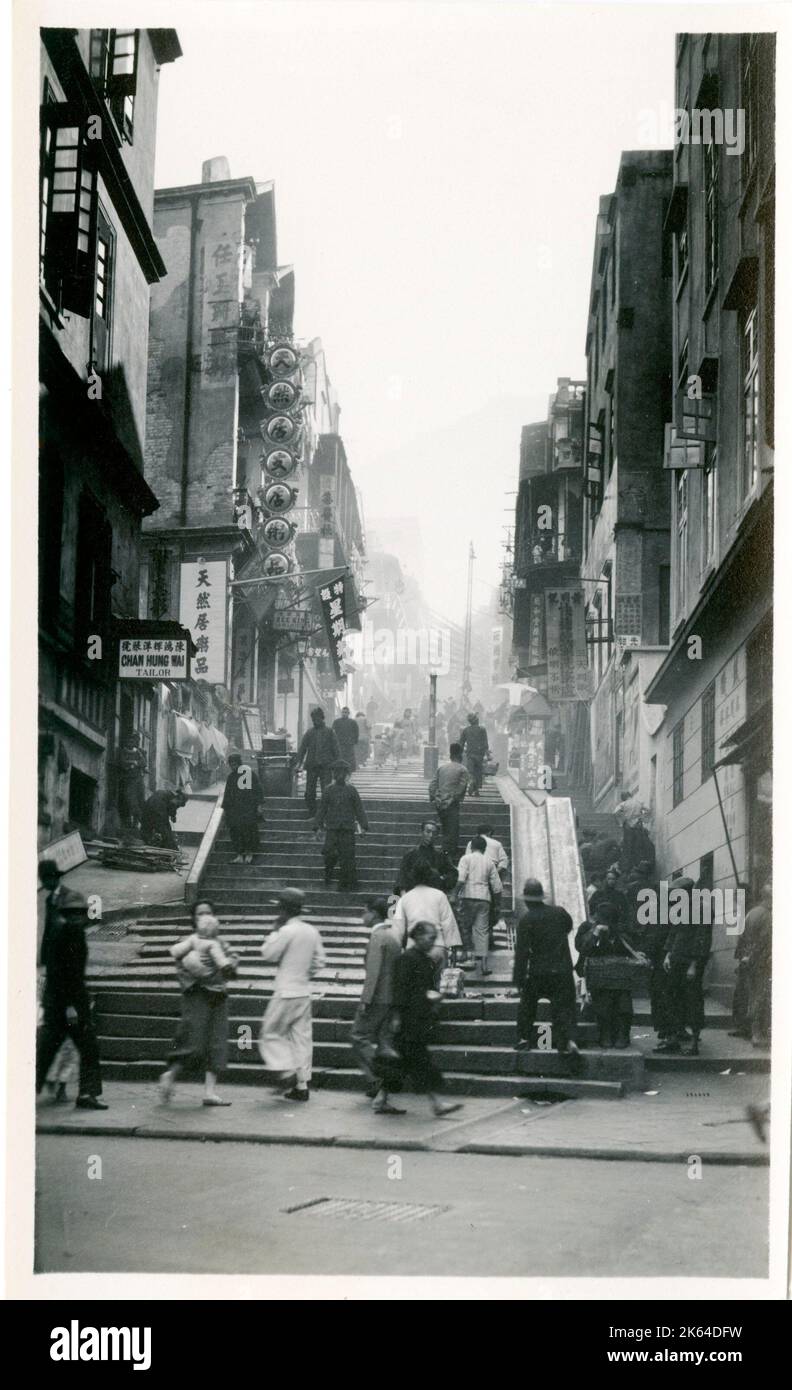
(437,169)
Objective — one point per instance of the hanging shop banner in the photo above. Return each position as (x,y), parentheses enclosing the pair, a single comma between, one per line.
(297,620)
(532,759)
(332,598)
(147,659)
(568,673)
(203,610)
(536,629)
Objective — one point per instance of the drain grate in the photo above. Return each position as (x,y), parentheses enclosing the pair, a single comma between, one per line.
(349,1209)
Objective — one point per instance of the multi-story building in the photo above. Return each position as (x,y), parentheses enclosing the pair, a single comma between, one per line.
(98,260)
(546,562)
(714,775)
(237,413)
(625,544)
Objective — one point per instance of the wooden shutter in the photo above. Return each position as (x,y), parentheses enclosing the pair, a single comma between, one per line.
(70,175)
(122,66)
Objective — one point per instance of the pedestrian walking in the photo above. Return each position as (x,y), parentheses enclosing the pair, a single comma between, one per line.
(543,970)
(630,814)
(475,746)
(416,1000)
(756,963)
(613,1007)
(347,735)
(159,811)
(688,949)
(241,802)
(340,812)
(498,856)
(50,879)
(318,752)
(204,965)
(66,1004)
(428,854)
(479,883)
(131,790)
(425,902)
(447,791)
(372,1030)
(364,741)
(398,744)
(286,1040)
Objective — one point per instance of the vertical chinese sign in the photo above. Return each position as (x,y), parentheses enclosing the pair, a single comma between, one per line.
(332,599)
(203,609)
(568,674)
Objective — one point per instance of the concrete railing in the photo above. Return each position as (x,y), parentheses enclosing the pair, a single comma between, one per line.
(198,869)
(544,846)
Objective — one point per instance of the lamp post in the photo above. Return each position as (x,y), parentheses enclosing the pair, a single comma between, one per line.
(430,751)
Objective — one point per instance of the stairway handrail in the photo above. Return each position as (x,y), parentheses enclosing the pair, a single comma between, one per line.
(198,867)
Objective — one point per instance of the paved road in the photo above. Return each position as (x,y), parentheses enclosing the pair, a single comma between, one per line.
(172,1206)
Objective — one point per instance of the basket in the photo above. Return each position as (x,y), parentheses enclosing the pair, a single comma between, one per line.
(616,972)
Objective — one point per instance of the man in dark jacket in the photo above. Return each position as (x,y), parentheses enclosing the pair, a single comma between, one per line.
(241,801)
(318,752)
(347,735)
(50,879)
(475,746)
(688,949)
(543,969)
(414,998)
(430,857)
(155,823)
(341,810)
(67,1007)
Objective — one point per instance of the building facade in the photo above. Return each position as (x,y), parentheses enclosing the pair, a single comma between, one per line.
(237,414)
(625,544)
(714,769)
(98,262)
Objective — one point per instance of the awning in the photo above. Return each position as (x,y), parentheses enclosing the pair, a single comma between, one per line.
(752,737)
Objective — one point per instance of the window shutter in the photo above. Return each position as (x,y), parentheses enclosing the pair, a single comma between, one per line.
(122,68)
(71,210)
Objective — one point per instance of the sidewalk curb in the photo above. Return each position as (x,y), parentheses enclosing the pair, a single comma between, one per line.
(393,1143)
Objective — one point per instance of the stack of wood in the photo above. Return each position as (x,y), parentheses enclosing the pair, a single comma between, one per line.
(140,858)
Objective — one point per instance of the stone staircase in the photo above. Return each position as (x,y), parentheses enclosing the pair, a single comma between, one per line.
(137,1002)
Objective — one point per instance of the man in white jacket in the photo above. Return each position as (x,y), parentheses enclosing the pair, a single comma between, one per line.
(286,1040)
(425,903)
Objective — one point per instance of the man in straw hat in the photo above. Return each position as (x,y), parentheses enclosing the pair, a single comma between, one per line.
(286,1040)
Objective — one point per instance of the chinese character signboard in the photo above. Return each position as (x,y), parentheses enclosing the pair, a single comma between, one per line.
(298,620)
(568,674)
(332,599)
(203,610)
(153,659)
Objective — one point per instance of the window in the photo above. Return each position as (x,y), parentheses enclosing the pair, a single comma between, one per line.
(682,365)
(709,508)
(678,762)
(664,605)
(682,253)
(707,732)
(114,54)
(750,103)
(706,872)
(68,194)
(103,292)
(681,542)
(711,245)
(750,401)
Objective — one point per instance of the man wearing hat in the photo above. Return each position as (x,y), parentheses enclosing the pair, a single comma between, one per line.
(543,969)
(66,1005)
(688,948)
(317,752)
(286,1040)
(340,812)
(475,745)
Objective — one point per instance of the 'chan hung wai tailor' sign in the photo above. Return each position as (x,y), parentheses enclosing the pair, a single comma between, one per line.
(153,659)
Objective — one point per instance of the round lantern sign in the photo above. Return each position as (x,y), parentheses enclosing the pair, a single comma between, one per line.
(280,395)
(280,463)
(278,497)
(276,564)
(283,360)
(280,429)
(278,532)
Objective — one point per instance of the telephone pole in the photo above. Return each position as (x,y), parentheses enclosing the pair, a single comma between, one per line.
(467,685)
